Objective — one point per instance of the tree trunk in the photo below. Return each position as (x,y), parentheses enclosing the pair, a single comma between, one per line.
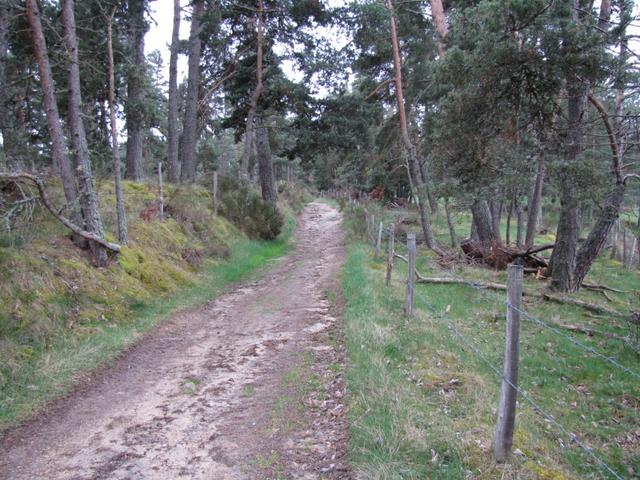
(437,12)
(509,217)
(123,233)
(482,221)
(597,237)
(452,228)
(519,222)
(249,133)
(265,165)
(54,124)
(4,55)
(412,155)
(495,207)
(563,259)
(615,230)
(535,203)
(88,198)
(134,108)
(172,120)
(190,128)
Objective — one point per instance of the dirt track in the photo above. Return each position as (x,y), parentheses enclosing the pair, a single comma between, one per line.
(247,387)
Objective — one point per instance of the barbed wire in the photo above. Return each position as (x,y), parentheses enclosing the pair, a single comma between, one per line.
(536,406)
(589,349)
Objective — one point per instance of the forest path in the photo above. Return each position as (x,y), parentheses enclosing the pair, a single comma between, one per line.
(246,387)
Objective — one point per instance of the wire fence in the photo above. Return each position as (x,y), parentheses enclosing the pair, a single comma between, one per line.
(440,315)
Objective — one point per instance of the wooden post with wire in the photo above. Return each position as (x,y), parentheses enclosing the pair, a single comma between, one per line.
(507,410)
(390,252)
(160,194)
(379,241)
(411,273)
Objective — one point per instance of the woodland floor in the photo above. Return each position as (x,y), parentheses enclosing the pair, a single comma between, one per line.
(249,386)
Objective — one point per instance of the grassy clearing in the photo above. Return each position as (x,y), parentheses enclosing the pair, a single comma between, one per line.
(424,406)
(60,318)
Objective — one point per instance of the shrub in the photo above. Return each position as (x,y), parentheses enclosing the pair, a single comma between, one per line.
(245,208)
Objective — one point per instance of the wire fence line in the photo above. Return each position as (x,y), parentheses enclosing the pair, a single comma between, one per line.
(587,348)
(536,406)
(563,431)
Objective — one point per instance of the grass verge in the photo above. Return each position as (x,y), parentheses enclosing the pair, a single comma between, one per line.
(422,405)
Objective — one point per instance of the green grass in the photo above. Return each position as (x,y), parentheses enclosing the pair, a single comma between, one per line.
(48,369)
(423,406)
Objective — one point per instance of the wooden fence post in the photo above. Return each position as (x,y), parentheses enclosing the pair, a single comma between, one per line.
(390,251)
(215,192)
(371,231)
(379,240)
(160,194)
(508,396)
(411,273)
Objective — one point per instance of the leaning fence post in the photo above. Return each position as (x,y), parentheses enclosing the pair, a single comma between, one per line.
(508,396)
(411,273)
(379,241)
(160,194)
(391,246)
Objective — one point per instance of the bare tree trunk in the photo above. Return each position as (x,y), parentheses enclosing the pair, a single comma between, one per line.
(412,156)
(135,86)
(4,55)
(172,121)
(265,165)
(437,12)
(54,124)
(482,221)
(249,133)
(123,233)
(568,272)
(615,230)
(519,221)
(88,199)
(190,128)
(535,203)
(563,259)
(496,207)
(452,228)
(509,216)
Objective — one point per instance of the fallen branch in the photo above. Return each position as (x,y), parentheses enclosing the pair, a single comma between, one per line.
(597,287)
(592,307)
(44,199)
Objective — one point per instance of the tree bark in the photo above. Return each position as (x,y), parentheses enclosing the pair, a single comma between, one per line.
(437,12)
(412,156)
(88,198)
(190,128)
(265,165)
(563,259)
(172,121)
(4,55)
(496,207)
(135,91)
(482,221)
(123,233)
(249,133)
(535,202)
(54,124)
(452,228)
(519,221)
